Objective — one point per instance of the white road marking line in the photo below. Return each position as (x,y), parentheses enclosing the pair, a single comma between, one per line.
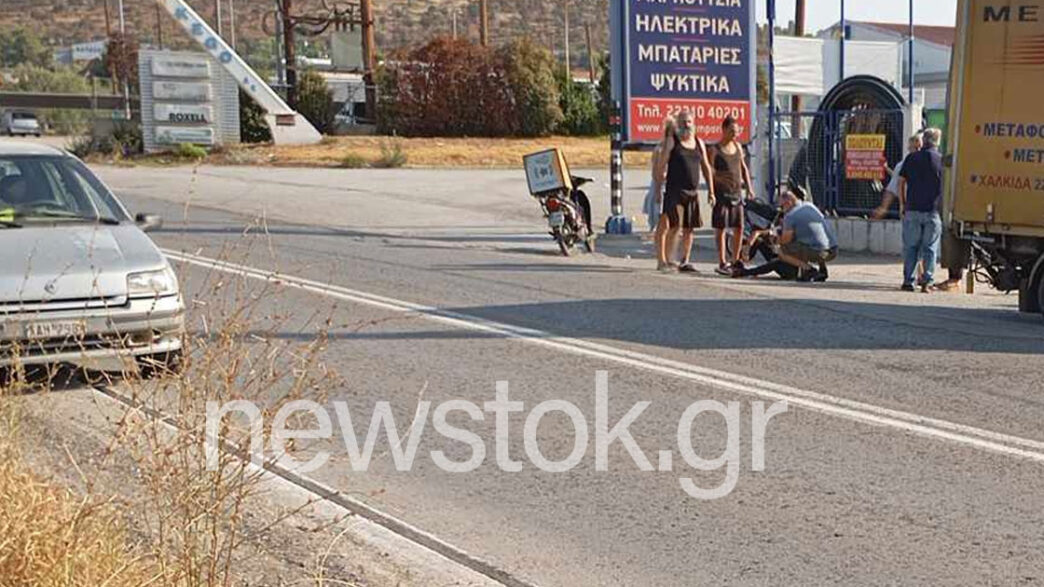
(329,494)
(826,404)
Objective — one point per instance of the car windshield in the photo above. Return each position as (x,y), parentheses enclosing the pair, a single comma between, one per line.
(23,116)
(53,189)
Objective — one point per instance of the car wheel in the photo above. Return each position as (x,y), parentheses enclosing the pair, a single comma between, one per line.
(160,365)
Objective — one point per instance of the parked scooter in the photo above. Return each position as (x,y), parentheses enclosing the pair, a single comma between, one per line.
(568,216)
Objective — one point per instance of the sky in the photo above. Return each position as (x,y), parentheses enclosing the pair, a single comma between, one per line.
(823,13)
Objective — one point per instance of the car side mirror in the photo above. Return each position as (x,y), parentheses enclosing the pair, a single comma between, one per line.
(148,222)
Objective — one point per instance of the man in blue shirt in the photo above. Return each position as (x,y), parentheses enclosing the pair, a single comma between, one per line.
(921,191)
(806,238)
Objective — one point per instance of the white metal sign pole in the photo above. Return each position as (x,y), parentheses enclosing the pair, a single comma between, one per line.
(288,127)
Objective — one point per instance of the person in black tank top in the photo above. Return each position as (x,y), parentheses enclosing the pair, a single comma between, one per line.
(682,162)
(731,182)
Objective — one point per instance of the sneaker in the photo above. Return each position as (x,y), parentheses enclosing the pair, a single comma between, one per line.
(926,287)
(725,269)
(807,275)
(907,287)
(820,276)
(688,268)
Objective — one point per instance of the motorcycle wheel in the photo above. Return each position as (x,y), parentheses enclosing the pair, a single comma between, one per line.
(565,243)
(589,243)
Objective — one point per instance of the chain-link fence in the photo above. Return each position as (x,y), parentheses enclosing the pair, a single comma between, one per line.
(843,159)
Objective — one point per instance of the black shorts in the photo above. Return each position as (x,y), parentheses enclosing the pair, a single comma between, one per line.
(682,212)
(727,213)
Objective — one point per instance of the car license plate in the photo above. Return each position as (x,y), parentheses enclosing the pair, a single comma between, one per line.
(39,330)
(556,219)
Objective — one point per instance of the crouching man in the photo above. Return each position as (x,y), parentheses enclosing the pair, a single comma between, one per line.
(806,239)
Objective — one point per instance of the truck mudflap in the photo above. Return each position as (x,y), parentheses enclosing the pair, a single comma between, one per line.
(1031,290)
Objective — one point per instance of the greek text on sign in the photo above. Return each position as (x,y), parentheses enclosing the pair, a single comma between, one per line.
(183,113)
(865,157)
(180,66)
(693,55)
(181,91)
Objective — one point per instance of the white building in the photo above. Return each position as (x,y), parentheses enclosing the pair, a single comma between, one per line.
(932,48)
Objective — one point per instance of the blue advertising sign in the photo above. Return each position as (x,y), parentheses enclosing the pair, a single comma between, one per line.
(695,55)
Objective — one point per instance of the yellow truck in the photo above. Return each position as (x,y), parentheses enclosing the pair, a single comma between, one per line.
(995,180)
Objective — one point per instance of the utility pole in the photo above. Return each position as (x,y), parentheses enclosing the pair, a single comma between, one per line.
(369,57)
(289,53)
(280,56)
(108,21)
(232,23)
(454,23)
(795,102)
(159,27)
(217,14)
(590,52)
(568,65)
(123,59)
(483,23)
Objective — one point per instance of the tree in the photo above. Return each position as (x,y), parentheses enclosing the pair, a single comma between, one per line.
(580,115)
(252,125)
(315,101)
(121,59)
(530,71)
(23,46)
(33,78)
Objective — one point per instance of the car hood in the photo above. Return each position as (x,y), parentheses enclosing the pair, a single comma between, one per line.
(45,263)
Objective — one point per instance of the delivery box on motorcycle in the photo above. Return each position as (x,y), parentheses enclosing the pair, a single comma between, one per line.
(547,171)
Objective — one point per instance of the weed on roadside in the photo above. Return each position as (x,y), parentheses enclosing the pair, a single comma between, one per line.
(354,161)
(392,154)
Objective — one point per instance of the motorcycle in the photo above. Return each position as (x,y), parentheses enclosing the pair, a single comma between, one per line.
(568,214)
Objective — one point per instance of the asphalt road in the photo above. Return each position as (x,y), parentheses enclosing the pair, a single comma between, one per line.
(911,451)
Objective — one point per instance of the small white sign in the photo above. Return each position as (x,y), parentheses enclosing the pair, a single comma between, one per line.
(180,66)
(183,113)
(173,135)
(180,91)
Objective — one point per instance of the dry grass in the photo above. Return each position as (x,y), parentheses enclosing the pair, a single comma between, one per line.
(51,536)
(189,520)
(427,153)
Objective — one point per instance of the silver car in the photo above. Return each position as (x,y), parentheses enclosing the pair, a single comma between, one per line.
(80,282)
(19,122)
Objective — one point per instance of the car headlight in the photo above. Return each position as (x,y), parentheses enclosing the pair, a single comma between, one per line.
(152,283)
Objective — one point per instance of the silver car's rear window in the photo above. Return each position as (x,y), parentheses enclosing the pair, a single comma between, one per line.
(54,183)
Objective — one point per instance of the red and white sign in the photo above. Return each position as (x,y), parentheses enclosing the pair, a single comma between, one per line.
(648,114)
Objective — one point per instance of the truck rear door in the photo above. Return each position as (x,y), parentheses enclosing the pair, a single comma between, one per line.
(997,111)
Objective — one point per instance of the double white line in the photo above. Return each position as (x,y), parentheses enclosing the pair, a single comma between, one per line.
(826,404)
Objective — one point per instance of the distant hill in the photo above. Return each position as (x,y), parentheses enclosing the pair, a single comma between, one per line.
(399,22)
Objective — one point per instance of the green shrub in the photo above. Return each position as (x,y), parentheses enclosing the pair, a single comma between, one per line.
(252,125)
(392,155)
(530,70)
(353,161)
(125,140)
(189,151)
(315,101)
(580,116)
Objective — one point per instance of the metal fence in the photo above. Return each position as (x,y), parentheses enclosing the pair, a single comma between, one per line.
(811,153)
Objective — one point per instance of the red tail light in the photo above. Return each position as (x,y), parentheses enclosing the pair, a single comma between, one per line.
(553,204)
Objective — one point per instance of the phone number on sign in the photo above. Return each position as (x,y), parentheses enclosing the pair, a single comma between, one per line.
(647,116)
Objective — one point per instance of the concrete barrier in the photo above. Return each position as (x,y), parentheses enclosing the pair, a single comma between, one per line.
(858,235)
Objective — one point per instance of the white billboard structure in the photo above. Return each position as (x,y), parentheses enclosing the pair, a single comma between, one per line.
(812,67)
(288,127)
(186,98)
